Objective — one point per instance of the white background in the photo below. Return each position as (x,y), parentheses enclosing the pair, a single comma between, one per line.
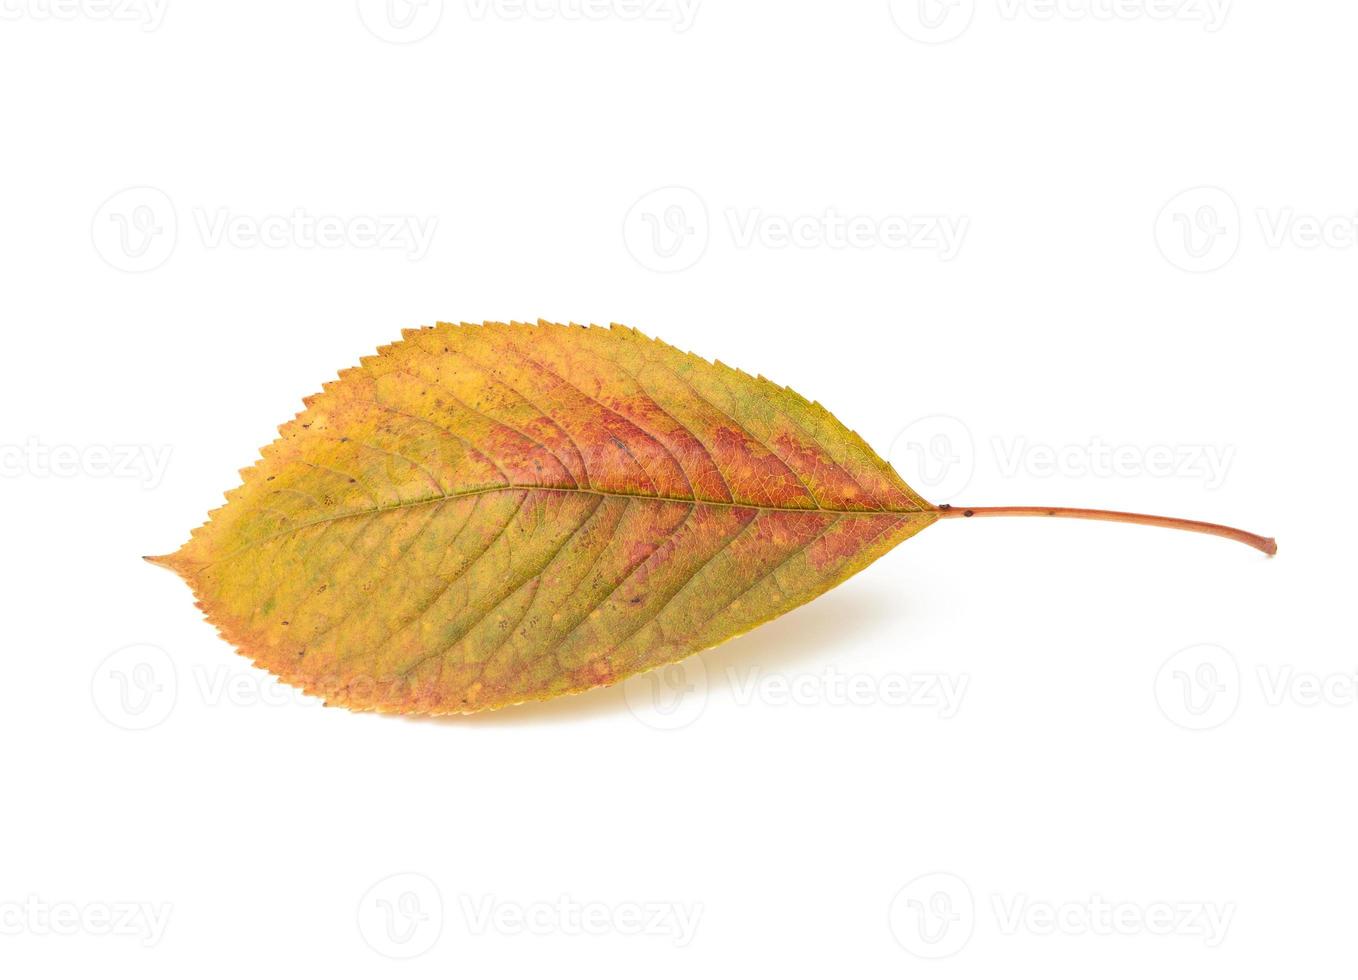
(1095,336)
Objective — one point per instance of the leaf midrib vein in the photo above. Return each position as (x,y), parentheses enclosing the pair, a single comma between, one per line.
(514,487)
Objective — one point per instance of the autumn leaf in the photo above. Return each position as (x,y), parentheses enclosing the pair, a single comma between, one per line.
(481,515)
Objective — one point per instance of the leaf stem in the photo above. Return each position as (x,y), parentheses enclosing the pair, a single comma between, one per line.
(1267,545)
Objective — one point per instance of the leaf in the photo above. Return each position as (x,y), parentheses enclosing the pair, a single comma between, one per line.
(482,515)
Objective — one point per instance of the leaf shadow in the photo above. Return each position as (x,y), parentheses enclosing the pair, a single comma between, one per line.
(805,635)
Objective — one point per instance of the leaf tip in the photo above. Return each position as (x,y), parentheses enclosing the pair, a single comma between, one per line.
(179,563)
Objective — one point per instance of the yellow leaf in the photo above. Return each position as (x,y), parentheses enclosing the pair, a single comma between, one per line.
(481,515)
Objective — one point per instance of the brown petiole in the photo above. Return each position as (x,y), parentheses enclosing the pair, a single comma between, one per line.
(1267,545)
